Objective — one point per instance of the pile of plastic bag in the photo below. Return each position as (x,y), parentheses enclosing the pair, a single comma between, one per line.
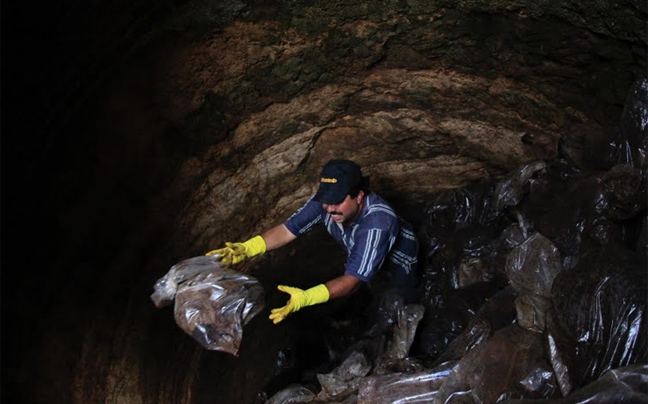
(212,303)
(535,290)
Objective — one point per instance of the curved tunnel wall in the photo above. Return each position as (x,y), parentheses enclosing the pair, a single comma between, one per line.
(212,125)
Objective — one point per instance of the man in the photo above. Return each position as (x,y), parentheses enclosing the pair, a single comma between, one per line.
(375,238)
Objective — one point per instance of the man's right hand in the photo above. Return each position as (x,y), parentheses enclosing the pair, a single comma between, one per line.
(233,253)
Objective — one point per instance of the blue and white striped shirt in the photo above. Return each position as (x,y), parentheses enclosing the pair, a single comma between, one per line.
(376,234)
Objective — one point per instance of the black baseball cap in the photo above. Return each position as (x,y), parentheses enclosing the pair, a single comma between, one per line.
(337,180)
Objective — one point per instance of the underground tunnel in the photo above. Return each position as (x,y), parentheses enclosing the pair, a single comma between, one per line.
(511,135)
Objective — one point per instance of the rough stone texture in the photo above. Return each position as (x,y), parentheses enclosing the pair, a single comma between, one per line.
(159,135)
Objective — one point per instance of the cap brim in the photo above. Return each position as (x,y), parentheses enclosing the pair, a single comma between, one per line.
(329,196)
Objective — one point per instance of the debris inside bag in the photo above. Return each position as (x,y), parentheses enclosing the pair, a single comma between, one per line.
(212,303)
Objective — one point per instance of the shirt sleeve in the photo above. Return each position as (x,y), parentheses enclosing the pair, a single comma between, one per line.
(306,217)
(369,252)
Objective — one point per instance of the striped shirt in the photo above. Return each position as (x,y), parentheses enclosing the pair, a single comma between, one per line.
(376,234)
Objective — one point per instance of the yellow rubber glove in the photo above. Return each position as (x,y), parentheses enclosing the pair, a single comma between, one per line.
(298,299)
(233,253)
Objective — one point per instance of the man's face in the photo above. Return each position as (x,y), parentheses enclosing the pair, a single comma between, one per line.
(346,211)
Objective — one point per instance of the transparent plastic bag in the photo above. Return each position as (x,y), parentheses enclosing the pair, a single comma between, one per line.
(628,384)
(511,190)
(531,268)
(343,381)
(167,286)
(510,364)
(404,331)
(631,143)
(292,395)
(418,387)
(396,357)
(496,313)
(599,316)
(212,303)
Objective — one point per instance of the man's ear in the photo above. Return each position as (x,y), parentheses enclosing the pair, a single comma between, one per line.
(359,197)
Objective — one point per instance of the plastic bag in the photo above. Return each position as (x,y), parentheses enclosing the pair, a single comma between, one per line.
(498,312)
(403,332)
(461,227)
(631,144)
(510,364)
(438,327)
(588,210)
(511,190)
(212,303)
(628,384)
(531,267)
(601,318)
(292,395)
(344,380)
(167,286)
(419,387)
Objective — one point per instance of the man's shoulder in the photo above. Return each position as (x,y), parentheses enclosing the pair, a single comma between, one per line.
(310,209)
(379,215)
(378,206)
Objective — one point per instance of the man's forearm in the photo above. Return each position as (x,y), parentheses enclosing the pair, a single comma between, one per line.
(277,236)
(342,286)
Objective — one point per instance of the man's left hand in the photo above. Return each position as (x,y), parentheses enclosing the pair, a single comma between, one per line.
(298,299)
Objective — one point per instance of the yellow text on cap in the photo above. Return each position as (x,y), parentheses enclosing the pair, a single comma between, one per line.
(329,180)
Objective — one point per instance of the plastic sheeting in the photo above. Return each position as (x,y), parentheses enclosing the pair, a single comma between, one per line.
(408,319)
(631,143)
(418,387)
(463,253)
(461,223)
(395,357)
(624,385)
(497,313)
(600,317)
(585,210)
(212,303)
(511,190)
(166,287)
(531,268)
(510,364)
(345,379)
(292,395)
